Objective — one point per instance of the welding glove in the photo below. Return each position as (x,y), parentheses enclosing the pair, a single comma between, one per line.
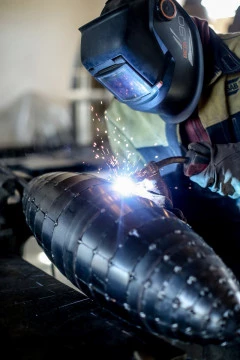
(216,167)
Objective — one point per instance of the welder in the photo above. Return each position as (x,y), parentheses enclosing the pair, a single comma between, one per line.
(176,87)
(156,59)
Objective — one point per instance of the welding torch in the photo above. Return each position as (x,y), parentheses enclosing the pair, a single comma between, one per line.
(151,172)
(159,189)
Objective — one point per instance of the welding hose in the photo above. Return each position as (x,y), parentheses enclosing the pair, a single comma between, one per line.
(171,160)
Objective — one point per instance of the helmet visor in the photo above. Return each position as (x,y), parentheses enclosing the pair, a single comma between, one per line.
(148,54)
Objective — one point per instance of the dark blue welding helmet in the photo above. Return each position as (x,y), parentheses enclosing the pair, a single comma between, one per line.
(148,54)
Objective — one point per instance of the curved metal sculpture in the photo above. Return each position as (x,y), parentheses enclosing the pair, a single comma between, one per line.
(139,260)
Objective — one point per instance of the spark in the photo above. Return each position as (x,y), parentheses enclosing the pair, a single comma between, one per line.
(101,149)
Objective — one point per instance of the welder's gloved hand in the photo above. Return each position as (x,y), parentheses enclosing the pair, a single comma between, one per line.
(221,170)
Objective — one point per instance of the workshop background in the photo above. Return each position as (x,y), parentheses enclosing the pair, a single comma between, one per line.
(48,100)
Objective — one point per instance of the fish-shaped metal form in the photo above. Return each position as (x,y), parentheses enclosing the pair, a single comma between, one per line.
(140,261)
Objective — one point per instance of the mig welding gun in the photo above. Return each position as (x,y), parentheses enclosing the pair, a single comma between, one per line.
(210,166)
(159,192)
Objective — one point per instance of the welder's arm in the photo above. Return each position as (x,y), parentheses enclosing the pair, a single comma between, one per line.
(216,167)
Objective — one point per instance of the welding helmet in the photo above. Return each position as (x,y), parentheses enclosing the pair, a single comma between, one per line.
(148,54)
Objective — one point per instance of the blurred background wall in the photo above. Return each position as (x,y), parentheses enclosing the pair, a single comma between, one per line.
(38,44)
(39,47)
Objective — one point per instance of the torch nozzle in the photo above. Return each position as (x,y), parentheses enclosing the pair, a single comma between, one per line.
(151,172)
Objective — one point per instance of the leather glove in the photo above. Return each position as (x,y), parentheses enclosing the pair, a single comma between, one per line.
(216,167)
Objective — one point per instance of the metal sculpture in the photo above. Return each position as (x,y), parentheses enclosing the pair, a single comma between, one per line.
(139,260)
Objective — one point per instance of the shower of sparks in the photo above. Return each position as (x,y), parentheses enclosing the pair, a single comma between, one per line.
(120,170)
(101,150)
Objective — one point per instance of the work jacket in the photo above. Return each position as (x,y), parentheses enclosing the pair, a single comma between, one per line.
(137,138)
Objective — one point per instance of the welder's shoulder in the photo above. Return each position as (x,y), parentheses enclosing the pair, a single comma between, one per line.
(232,40)
(144,128)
